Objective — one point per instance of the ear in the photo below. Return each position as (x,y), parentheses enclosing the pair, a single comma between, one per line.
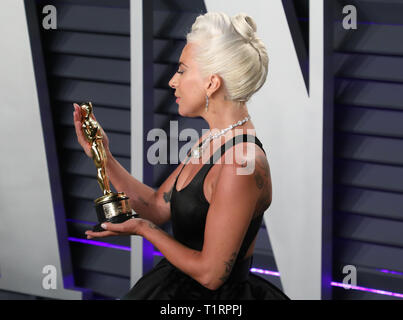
(214,83)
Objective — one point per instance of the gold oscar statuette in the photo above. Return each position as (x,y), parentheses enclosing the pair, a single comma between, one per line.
(111,207)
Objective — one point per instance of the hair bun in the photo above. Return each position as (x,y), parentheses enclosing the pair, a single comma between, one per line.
(230,47)
(244,25)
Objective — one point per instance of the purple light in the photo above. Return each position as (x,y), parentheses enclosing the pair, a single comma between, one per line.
(262,271)
(100,244)
(107,245)
(256,270)
(390,271)
(347,286)
(338,284)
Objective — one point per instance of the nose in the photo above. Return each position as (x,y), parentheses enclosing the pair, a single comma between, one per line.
(173,82)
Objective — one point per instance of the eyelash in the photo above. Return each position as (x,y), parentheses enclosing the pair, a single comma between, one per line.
(180,72)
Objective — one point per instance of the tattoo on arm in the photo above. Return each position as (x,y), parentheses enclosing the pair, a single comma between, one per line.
(259,180)
(153,225)
(145,203)
(262,178)
(228,266)
(167,195)
(262,162)
(261,175)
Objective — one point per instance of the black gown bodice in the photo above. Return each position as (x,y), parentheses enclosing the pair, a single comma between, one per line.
(188,216)
(189,206)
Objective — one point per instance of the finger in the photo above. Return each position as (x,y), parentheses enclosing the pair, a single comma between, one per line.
(77,125)
(78,111)
(76,108)
(91,234)
(79,133)
(75,112)
(81,139)
(76,117)
(116,227)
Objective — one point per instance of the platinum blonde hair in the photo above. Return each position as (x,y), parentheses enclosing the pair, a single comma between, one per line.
(229,47)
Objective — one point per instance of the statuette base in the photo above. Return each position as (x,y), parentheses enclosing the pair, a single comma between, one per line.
(114,208)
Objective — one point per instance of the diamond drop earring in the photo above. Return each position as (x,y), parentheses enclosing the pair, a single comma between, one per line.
(206,103)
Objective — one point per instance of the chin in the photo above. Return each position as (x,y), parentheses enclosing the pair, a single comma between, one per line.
(187,113)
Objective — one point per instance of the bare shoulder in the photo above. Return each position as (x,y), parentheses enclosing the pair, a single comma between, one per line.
(247,163)
(262,169)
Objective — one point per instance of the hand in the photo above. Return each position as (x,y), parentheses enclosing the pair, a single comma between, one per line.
(129,227)
(80,135)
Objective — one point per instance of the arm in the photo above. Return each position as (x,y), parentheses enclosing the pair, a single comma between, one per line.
(232,207)
(233,204)
(226,225)
(148,203)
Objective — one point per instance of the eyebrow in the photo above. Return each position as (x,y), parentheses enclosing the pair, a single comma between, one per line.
(180,62)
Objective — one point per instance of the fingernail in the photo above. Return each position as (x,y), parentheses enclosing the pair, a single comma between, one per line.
(103,226)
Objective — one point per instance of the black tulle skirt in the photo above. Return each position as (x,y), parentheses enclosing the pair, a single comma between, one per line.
(166,282)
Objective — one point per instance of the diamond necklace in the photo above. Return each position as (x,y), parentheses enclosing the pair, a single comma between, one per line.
(198,151)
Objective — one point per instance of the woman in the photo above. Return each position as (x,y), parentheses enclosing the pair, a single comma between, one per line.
(215,210)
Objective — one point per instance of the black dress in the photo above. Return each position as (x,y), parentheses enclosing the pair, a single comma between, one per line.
(188,216)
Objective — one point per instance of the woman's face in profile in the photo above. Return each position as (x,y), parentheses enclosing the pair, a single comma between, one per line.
(188,85)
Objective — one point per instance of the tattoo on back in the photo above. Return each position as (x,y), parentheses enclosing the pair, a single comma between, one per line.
(167,195)
(228,266)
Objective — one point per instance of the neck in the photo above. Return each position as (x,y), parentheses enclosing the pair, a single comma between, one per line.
(221,116)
